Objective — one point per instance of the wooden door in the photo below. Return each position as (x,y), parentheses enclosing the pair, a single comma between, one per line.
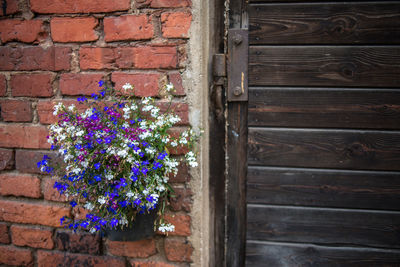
(323,135)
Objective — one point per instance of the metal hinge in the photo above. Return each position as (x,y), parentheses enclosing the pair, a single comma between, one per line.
(219,74)
(238,47)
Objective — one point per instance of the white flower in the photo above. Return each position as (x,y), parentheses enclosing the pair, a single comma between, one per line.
(174,144)
(169,87)
(166,228)
(130,194)
(57,108)
(101,200)
(127,86)
(89,206)
(71,108)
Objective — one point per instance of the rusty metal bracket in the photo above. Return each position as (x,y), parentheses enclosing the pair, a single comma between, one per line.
(238,47)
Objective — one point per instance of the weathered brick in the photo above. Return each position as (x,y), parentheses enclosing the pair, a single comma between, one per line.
(144,84)
(4,236)
(66,30)
(180,109)
(182,199)
(175,24)
(26,160)
(106,58)
(53,258)
(45,109)
(135,263)
(35,85)
(78,6)
(15,256)
(19,185)
(128,27)
(178,250)
(32,237)
(16,110)
(156,57)
(176,79)
(6,159)
(78,242)
(35,58)
(137,249)
(171,3)
(79,83)
(182,176)
(26,31)
(22,212)
(51,193)
(23,136)
(3,85)
(11,8)
(181,223)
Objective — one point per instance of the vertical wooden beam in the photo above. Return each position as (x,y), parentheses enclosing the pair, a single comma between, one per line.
(236,162)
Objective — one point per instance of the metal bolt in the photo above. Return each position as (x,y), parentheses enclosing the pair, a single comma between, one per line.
(237,39)
(237,91)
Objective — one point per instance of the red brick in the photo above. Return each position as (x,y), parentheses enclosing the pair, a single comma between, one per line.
(45,109)
(182,176)
(53,258)
(154,57)
(22,136)
(19,185)
(32,237)
(106,57)
(182,199)
(66,30)
(3,85)
(171,3)
(26,31)
(78,242)
(15,256)
(144,84)
(178,250)
(6,159)
(26,160)
(135,263)
(129,27)
(12,8)
(35,58)
(16,110)
(35,85)
(176,80)
(137,249)
(21,212)
(78,6)
(4,236)
(80,84)
(181,223)
(175,24)
(51,193)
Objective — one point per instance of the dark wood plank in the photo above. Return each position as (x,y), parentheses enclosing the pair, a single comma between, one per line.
(337,108)
(236,193)
(330,23)
(337,149)
(323,188)
(325,66)
(323,226)
(289,255)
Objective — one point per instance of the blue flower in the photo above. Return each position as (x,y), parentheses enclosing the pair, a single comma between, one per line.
(62,220)
(141,154)
(134,178)
(97,165)
(144,171)
(157,165)
(132,121)
(101,83)
(162,155)
(84,224)
(81,99)
(97,178)
(78,146)
(137,202)
(73,203)
(99,140)
(113,222)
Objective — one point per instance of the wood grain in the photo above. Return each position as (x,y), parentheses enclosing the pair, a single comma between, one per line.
(323,188)
(369,150)
(351,66)
(323,226)
(330,23)
(287,255)
(324,107)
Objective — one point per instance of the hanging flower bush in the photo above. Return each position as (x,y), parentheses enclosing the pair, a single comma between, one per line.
(116,157)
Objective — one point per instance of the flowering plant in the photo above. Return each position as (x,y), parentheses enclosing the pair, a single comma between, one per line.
(116,157)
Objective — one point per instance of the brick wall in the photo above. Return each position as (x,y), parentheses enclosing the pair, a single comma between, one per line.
(57,50)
